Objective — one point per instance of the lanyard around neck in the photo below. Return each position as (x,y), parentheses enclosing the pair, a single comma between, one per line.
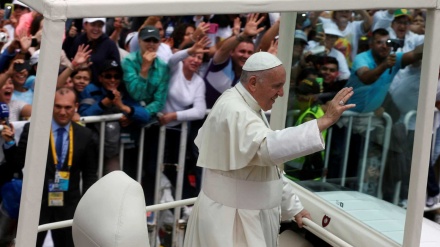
(54,152)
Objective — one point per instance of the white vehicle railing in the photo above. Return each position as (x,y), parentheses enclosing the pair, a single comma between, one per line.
(309,225)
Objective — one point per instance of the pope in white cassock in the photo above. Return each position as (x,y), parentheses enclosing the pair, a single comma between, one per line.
(244,195)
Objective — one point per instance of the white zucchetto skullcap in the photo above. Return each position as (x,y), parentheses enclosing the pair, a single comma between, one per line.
(261,61)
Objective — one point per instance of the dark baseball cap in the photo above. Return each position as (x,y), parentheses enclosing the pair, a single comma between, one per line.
(110,65)
(149,32)
(308,86)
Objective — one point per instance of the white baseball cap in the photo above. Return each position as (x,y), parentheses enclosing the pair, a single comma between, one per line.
(91,20)
(261,61)
(16,2)
(332,29)
(34,58)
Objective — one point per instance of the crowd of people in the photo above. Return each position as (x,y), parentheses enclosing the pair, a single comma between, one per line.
(171,69)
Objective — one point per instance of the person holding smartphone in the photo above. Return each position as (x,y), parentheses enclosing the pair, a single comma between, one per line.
(18,72)
(111,97)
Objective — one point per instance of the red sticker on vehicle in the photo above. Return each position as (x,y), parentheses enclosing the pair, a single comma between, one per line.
(325,220)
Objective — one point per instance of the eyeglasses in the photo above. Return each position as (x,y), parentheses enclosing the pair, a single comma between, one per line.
(110,76)
(151,40)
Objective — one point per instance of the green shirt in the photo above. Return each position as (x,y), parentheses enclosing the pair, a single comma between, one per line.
(151,90)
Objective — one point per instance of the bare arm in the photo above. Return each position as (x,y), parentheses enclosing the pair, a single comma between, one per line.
(80,59)
(26,112)
(412,56)
(118,29)
(369,76)
(269,36)
(368,20)
(251,29)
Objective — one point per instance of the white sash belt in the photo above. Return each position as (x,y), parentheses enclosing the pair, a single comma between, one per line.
(242,194)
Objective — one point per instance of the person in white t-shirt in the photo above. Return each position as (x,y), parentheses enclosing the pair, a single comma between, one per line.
(185,102)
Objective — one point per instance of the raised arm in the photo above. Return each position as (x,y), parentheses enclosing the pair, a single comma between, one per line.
(412,56)
(251,29)
(269,36)
(368,20)
(198,47)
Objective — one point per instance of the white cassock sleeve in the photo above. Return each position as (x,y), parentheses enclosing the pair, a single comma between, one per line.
(293,142)
(290,203)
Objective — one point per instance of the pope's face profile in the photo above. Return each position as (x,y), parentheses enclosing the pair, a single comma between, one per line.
(269,87)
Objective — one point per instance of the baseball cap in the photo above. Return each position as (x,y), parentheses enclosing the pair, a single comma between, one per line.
(331,29)
(300,35)
(91,20)
(34,58)
(110,65)
(261,61)
(402,12)
(308,86)
(149,32)
(16,2)
(129,37)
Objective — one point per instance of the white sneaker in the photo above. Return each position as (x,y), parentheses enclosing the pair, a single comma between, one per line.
(432,200)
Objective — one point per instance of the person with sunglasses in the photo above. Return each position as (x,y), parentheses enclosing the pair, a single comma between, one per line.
(111,97)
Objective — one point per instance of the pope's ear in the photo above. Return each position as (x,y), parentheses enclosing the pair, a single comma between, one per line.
(252,82)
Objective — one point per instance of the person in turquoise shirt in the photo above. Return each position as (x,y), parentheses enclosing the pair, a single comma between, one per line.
(146,76)
(146,79)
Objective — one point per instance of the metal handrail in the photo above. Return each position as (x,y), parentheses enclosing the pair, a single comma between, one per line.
(324,234)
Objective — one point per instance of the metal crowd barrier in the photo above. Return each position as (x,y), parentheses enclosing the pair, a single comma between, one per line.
(386,143)
(102,119)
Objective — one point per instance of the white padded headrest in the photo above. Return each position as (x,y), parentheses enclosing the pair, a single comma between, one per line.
(111,214)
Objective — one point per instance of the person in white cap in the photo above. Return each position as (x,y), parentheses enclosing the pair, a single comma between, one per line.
(244,195)
(102,46)
(331,35)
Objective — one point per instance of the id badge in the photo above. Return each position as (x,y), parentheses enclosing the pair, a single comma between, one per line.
(62,179)
(56,199)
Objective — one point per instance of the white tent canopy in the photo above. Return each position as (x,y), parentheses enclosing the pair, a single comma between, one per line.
(57,11)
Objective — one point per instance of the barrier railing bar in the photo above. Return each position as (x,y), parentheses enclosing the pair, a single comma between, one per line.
(365,155)
(180,175)
(101,118)
(385,148)
(121,155)
(140,155)
(347,150)
(162,206)
(327,152)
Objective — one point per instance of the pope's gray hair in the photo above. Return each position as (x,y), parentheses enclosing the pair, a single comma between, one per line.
(246,75)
